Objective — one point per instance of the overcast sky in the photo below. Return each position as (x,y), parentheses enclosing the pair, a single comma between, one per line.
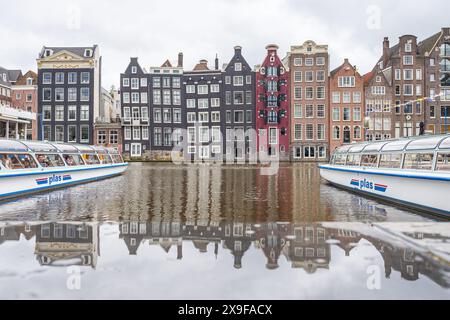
(157,30)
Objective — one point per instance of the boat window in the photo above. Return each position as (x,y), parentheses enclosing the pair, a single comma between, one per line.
(91,159)
(50,160)
(398,145)
(425,143)
(393,161)
(339,159)
(14,161)
(445,144)
(369,160)
(419,161)
(105,158)
(353,160)
(73,160)
(443,162)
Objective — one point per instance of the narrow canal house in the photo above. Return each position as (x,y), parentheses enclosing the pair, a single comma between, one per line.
(134,91)
(272,106)
(24,100)
(346,103)
(379,101)
(69,89)
(239,96)
(167,116)
(309,70)
(406,63)
(203,111)
(436,50)
(14,121)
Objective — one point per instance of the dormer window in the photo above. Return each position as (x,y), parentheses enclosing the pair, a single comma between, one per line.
(408,47)
(88,53)
(378,79)
(134,69)
(48,52)
(29,81)
(4,77)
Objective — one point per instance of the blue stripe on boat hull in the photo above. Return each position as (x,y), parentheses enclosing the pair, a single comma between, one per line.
(398,175)
(17,194)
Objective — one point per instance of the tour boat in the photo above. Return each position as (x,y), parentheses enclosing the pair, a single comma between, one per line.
(412,172)
(31,166)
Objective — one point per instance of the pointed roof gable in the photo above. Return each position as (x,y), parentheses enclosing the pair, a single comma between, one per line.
(166,64)
(22,81)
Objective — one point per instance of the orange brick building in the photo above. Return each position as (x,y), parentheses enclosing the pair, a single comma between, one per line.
(346,106)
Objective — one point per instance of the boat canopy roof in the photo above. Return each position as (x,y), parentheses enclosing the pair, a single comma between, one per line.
(66,148)
(441,142)
(12,146)
(38,146)
(48,147)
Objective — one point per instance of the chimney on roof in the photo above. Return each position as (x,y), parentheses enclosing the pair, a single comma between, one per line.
(385,50)
(180,60)
(237,49)
(216,63)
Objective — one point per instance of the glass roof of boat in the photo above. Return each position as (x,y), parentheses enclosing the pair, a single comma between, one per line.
(343,149)
(357,148)
(429,143)
(85,148)
(445,144)
(398,145)
(100,150)
(12,146)
(37,146)
(375,147)
(66,148)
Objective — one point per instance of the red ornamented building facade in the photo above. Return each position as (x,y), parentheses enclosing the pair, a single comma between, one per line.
(272,106)
(24,99)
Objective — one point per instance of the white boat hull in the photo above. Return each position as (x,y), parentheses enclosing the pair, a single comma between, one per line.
(13,185)
(427,192)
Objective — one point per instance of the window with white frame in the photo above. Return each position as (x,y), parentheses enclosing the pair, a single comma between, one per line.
(336,97)
(408,60)
(346,82)
(190,103)
(203,117)
(238,81)
(297,131)
(298,111)
(215,102)
(215,88)
(191,117)
(84,113)
(203,103)
(215,116)
(202,89)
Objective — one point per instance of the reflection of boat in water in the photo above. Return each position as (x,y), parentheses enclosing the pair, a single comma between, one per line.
(411,172)
(27,167)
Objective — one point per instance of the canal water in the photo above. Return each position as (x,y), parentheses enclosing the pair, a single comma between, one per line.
(162,231)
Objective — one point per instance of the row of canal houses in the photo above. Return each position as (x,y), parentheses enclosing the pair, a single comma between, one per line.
(293,107)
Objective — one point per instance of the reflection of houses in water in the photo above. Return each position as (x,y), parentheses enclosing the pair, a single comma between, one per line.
(238,238)
(410,263)
(63,244)
(307,247)
(271,238)
(14,232)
